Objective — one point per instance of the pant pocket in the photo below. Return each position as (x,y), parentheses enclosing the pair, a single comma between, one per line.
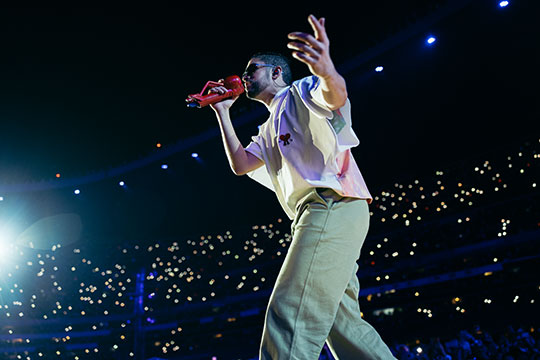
(312,197)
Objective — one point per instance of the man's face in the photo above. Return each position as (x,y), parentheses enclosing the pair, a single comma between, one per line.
(256,77)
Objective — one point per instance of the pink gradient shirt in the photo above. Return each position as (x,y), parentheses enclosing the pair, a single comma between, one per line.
(304,145)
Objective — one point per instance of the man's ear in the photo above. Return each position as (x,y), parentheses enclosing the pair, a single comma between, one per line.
(276,72)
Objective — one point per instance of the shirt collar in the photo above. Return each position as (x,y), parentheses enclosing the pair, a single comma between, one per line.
(280,94)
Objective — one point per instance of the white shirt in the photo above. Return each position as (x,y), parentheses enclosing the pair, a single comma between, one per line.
(305,145)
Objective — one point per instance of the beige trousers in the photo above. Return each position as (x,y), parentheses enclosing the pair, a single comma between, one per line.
(315,298)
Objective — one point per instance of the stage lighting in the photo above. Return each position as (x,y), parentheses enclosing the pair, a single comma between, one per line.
(6,237)
(503,4)
(194,155)
(164,166)
(379,69)
(430,40)
(1,198)
(51,232)
(77,191)
(121,183)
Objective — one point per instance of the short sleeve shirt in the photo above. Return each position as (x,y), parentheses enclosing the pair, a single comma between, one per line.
(304,145)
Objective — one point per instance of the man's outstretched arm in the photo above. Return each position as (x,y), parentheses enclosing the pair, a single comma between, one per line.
(314,51)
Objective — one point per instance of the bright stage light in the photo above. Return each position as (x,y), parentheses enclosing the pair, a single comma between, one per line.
(6,243)
(194,155)
(379,69)
(164,166)
(51,232)
(77,191)
(121,183)
(431,39)
(503,4)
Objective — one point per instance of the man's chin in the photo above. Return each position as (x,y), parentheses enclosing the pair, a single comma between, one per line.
(250,94)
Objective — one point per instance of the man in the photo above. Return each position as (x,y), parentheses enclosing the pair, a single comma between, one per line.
(302,153)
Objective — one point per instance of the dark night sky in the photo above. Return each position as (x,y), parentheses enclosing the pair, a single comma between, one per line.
(88,89)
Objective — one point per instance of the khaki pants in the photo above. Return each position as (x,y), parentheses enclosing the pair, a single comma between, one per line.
(315,298)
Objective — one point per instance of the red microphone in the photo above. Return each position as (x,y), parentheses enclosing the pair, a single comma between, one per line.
(232,83)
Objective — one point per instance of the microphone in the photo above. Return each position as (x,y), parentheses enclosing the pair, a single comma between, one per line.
(234,87)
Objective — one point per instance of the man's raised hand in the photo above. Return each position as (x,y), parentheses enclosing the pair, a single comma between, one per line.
(313,50)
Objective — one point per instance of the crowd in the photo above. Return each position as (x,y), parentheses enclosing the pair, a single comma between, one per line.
(508,344)
(444,252)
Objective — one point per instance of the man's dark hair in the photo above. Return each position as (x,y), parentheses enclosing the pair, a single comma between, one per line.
(278,59)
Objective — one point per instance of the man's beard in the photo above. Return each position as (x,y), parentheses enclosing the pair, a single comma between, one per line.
(254,89)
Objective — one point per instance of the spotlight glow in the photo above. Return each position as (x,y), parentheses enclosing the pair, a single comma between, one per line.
(431,39)
(77,191)
(194,155)
(503,4)
(7,235)
(121,183)
(164,166)
(379,69)
(4,256)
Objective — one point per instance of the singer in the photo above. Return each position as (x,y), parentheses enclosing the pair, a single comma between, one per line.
(303,153)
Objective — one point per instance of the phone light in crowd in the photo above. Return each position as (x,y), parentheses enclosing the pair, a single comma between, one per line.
(431,40)
(164,166)
(503,4)
(379,69)
(194,155)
